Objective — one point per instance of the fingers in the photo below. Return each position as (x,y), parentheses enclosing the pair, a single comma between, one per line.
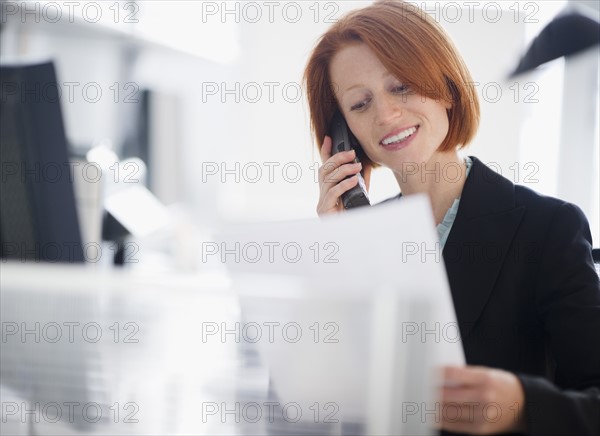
(337,175)
(330,199)
(336,192)
(476,399)
(333,173)
(467,376)
(338,158)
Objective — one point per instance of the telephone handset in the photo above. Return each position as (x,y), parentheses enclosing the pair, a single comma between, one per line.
(343,140)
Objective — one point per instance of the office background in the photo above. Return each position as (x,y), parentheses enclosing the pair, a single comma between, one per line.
(207,93)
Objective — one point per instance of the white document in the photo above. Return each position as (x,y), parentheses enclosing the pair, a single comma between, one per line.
(367,292)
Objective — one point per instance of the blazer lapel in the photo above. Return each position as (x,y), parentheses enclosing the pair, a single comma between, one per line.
(485,225)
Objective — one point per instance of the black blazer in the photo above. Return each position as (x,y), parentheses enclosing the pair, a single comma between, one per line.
(527,298)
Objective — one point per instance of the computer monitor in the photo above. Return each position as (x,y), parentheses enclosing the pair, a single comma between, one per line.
(38,218)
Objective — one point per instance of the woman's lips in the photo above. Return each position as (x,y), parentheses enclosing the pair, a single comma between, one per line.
(402,142)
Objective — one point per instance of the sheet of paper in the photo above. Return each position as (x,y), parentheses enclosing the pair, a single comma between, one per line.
(374,280)
(392,243)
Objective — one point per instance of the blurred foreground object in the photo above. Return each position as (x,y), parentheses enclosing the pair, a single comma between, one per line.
(565,35)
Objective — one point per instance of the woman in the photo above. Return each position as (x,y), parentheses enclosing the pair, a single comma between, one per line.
(519,264)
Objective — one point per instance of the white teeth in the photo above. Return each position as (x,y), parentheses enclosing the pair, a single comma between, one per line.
(400,136)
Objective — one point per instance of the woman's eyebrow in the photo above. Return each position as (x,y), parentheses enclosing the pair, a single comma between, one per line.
(357,85)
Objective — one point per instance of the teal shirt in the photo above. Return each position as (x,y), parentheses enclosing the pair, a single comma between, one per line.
(443,228)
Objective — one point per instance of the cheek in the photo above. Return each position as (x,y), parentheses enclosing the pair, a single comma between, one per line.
(443,117)
(373,153)
(445,123)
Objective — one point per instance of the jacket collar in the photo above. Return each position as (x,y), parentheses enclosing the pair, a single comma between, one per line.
(485,225)
(493,193)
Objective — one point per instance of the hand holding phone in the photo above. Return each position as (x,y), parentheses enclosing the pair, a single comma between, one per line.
(340,171)
(343,140)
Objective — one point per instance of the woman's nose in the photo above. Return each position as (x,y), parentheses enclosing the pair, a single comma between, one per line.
(386,109)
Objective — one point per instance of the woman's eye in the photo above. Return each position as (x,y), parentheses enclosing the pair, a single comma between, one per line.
(400,89)
(359,106)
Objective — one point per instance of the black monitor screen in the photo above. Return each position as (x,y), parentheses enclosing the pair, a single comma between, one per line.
(38,219)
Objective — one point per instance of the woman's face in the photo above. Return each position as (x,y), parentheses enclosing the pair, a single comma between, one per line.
(395,125)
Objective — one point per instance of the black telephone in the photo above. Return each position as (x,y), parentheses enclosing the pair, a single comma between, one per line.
(343,140)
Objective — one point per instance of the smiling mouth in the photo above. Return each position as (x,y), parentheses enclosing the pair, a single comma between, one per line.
(400,137)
